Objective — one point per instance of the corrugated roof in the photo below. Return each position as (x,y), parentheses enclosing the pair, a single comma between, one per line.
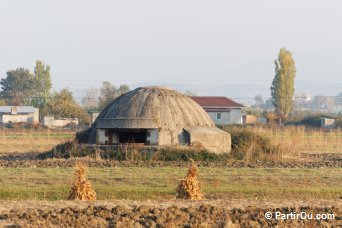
(217,102)
(20,109)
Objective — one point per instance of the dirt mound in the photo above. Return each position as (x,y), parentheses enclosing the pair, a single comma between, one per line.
(204,215)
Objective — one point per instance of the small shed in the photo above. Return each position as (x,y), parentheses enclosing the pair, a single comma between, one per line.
(327,122)
(249,119)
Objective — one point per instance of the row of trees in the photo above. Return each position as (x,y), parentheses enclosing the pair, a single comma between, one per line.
(21,87)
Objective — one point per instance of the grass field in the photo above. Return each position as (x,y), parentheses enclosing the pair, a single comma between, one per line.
(142,183)
(22,140)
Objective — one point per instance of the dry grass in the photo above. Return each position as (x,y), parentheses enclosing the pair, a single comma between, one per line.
(188,187)
(301,139)
(82,189)
(293,140)
(26,140)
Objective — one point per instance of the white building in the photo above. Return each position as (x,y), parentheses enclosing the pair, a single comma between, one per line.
(19,114)
(222,110)
(50,121)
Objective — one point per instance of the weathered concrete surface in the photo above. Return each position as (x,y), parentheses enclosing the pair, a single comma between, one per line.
(158,108)
(213,139)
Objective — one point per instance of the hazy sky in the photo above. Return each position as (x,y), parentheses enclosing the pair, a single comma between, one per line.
(228,45)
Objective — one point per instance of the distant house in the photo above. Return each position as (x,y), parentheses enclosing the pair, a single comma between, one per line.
(222,110)
(19,114)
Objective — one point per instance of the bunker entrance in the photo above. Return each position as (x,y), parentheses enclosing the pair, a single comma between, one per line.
(132,137)
(127,136)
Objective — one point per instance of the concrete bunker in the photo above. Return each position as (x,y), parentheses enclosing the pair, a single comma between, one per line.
(156,116)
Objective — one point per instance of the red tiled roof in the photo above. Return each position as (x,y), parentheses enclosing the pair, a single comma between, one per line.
(217,102)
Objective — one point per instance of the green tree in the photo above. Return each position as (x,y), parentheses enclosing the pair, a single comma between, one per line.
(42,84)
(282,88)
(63,105)
(18,87)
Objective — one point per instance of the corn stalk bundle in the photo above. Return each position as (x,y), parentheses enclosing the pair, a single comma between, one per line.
(188,188)
(82,189)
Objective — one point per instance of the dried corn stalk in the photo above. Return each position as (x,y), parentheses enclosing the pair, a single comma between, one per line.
(82,189)
(188,188)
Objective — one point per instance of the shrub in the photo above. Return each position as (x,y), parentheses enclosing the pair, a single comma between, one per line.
(132,153)
(249,145)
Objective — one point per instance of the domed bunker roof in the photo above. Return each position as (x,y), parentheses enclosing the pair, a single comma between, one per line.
(152,115)
(155,107)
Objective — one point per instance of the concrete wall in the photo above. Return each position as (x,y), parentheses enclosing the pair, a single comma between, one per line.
(36,115)
(152,138)
(18,118)
(212,139)
(31,118)
(101,136)
(50,121)
(104,137)
(126,123)
(166,137)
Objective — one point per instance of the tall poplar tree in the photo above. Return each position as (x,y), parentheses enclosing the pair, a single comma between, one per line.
(42,85)
(282,88)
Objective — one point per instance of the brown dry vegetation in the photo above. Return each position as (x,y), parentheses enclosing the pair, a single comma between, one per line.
(301,139)
(188,187)
(32,140)
(82,189)
(285,142)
